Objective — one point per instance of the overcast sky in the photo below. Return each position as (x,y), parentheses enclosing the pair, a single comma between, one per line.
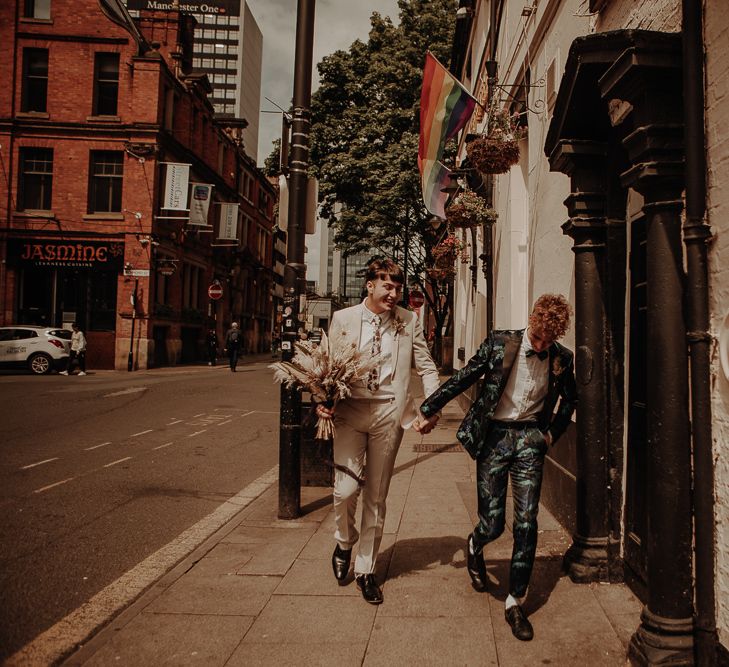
(337,24)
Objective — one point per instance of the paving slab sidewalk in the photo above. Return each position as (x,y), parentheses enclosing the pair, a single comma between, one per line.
(261,592)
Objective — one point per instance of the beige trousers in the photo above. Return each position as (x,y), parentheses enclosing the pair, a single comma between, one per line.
(367,438)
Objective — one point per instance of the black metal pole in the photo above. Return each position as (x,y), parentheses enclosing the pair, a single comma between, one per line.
(130,358)
(289,485)
(696,235)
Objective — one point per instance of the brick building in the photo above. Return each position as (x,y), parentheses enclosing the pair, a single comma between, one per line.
(93,108)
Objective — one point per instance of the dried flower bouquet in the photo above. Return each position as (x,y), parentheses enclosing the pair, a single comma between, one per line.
(327,370)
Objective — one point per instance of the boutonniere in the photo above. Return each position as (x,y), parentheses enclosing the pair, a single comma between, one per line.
(557,367)
(399,326)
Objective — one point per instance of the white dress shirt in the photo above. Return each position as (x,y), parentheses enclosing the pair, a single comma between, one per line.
(526,387)
(387,345)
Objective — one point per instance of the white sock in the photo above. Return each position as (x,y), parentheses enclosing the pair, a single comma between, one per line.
(511,601)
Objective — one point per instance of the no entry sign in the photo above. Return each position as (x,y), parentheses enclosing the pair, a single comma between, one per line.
(215,291)
(416,299)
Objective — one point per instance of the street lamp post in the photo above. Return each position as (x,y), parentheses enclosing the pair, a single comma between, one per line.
(289,486)
(133,299)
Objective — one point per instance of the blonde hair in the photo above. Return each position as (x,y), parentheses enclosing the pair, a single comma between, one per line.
(551,314)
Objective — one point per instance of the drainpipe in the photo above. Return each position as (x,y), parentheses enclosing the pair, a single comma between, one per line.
(696,235)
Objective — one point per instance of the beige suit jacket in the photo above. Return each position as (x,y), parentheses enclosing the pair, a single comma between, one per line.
(410,350)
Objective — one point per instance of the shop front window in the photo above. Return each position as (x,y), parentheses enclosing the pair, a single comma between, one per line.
(102,313)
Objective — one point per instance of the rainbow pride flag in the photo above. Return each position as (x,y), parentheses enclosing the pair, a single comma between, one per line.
(445,107)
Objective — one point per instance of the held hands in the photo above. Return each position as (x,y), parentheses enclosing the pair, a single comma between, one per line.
(425,424)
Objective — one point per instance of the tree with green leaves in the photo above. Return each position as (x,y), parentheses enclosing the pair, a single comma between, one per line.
(364,144)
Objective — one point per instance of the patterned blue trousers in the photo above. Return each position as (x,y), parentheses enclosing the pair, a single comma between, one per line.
(517,450)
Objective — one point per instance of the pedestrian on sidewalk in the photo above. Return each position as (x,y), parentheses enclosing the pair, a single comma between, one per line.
(233,342)
(211,342)
(369,424)
(78,352)
(508,431)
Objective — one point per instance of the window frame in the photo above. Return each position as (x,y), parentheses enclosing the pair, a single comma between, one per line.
(30,10)
(45,185)
(27,91)
(112,182)
(101,82)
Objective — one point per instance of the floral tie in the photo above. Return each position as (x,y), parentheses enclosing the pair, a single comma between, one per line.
(373,379)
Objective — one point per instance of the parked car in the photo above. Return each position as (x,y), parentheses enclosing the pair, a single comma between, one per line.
(40,349)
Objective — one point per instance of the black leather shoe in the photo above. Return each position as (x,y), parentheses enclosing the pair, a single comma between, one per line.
(476,567)
(370,590)
(521,628)
(340,563)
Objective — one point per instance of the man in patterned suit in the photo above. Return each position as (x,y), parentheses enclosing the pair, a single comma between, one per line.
(370,423)
(508,430)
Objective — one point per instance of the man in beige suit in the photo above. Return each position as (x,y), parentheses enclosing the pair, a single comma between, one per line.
(370,424)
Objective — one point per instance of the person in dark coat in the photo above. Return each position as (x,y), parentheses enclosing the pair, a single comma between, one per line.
(211,343)
(508,431)
(233,344)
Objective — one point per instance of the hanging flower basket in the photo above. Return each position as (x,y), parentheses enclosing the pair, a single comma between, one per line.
(469,210)
(498,150)
(449,251)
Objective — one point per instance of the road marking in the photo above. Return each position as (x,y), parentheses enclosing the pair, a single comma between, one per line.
(40,463)
(113,463)
(225,422)
(177,421)
(196,433)
(50,486)
(72,631)
(134,435)
(103,444)
(167,444)
(131,390)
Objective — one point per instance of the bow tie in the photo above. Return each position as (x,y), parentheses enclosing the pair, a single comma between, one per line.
(541,355)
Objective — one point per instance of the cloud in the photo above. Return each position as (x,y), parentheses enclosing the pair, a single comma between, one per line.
(337,24)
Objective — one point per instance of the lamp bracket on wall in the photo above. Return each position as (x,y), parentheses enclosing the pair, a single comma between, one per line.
(537,107)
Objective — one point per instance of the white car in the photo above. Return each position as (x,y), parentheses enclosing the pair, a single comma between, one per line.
(40,349)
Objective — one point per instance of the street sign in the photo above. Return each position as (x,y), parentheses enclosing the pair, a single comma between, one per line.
(215,291)
(416,299)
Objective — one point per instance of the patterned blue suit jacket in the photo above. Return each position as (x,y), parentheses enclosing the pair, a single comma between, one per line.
(494,361)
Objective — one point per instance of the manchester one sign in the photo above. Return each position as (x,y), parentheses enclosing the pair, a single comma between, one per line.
(229,7)
(70,254)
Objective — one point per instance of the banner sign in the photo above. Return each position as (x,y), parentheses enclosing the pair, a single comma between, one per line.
(200,204)
(228,230)
(176,185)
(65,253)
(228,7)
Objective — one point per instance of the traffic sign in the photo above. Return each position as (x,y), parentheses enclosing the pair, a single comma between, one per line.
(215,291)
(416,298)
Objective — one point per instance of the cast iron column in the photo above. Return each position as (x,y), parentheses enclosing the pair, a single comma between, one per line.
(289,470)
(585,163)
(649,78)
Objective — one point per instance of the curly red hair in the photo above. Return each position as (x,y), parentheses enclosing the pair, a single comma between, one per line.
(551,315)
